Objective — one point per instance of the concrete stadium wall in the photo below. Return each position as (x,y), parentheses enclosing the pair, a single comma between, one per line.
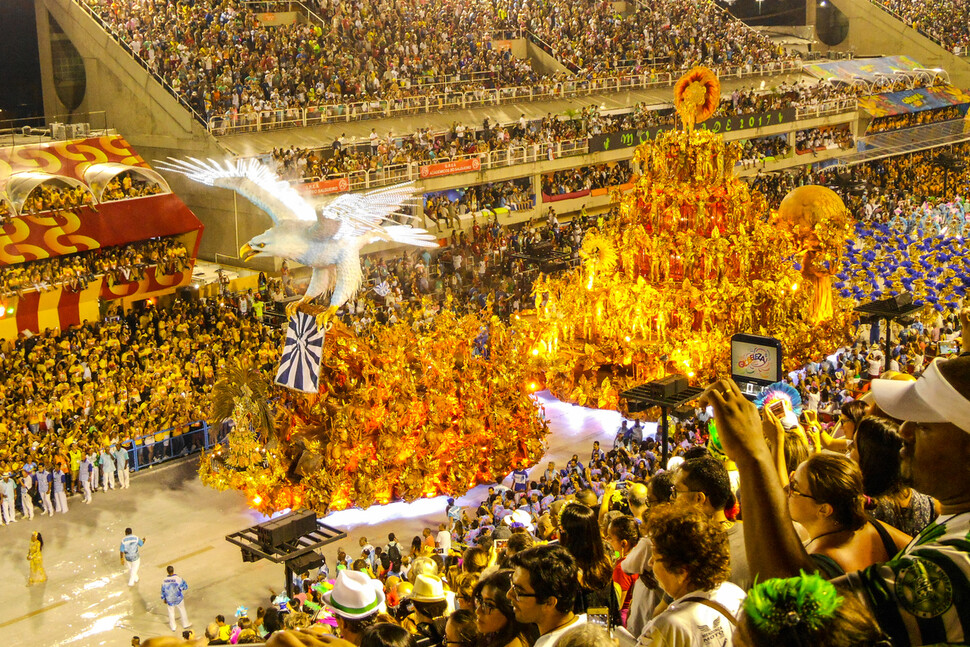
(543,62)
(875,32)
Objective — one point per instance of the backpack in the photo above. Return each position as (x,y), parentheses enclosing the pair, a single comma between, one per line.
(394,553)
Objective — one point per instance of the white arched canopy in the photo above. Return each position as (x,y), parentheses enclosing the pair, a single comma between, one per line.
(20,185)
(99,175)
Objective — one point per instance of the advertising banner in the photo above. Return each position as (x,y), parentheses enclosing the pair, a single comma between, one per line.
(325,187)
(450,168)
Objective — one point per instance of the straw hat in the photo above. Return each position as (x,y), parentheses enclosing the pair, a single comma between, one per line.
(428,589)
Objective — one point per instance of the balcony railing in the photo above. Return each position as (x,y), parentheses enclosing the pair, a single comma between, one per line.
(322,114)
(504,157)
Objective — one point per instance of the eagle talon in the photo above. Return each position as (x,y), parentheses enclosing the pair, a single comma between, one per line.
(324,317)
(294,306)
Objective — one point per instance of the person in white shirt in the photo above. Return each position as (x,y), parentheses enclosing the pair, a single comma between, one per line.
(545,584)
(874,359)
(691,561)
(443,539)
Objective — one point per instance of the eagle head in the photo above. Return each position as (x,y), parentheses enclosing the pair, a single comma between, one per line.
(265,243)
(289,240)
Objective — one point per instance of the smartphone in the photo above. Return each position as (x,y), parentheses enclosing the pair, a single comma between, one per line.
(778,408)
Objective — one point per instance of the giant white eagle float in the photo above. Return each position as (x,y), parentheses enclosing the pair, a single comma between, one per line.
(327,238)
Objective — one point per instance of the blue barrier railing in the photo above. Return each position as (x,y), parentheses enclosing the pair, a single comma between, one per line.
(168,444)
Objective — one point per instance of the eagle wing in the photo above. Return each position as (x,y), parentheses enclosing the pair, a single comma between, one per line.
(252,180)
(364,214)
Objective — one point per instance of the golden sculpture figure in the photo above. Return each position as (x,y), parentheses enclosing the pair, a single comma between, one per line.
(819,223)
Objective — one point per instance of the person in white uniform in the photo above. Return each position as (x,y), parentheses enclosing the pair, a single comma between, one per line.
(44,478)
(121,463)
(107,470)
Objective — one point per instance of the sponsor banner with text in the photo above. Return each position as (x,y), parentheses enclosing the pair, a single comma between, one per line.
(326,187)
(450,168)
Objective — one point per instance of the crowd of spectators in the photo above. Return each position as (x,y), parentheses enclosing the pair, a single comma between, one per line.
(886,84)
(755,151)
(121,264)
(446,208)
(948,23)
(586,178)
(591,37)
(222,61)
(57,196)
(132,383)
(911,119)
(882,188)
(379,151)
(661,552)
(129,185)
(815,139)
(51,196)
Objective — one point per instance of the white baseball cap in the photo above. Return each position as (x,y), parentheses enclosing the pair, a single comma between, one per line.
(931,398)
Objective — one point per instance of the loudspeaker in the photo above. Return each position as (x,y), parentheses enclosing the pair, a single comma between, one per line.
(249,556)
(305,563)
(667,387)
(903,300)
(286,528)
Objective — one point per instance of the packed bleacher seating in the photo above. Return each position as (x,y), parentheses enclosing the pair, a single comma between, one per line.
(585,178)
(591,37)
(754,152)
(816,139)
(129,185)
(53,197)
(384,150)
(446,208)
(221,61)
(948,23)
(122,264)
(144,375)
(881,188)
(909,120)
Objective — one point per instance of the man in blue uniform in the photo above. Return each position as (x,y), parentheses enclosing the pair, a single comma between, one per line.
(172,588)
(131,555)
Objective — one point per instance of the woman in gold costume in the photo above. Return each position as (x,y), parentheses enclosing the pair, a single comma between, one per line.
(35,556)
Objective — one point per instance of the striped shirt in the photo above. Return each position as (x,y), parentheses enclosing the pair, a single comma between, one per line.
(922,596)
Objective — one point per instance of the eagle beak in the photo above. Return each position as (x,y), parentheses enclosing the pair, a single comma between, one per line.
(246,252)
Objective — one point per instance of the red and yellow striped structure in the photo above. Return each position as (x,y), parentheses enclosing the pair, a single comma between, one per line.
(108,224)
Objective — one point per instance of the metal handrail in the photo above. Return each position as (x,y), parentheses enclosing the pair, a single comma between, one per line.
(320,114)
(410,171)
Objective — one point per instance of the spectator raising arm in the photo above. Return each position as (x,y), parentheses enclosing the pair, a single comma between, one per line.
(771,543)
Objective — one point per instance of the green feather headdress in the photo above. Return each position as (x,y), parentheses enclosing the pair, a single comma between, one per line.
(802,603)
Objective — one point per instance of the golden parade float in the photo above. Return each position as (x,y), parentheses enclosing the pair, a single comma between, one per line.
(694,257)
(440,402)
(400,414)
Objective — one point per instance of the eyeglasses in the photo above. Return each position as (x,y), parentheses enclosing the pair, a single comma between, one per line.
(676,493)
(515,592)
(793,490)
(485,606)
